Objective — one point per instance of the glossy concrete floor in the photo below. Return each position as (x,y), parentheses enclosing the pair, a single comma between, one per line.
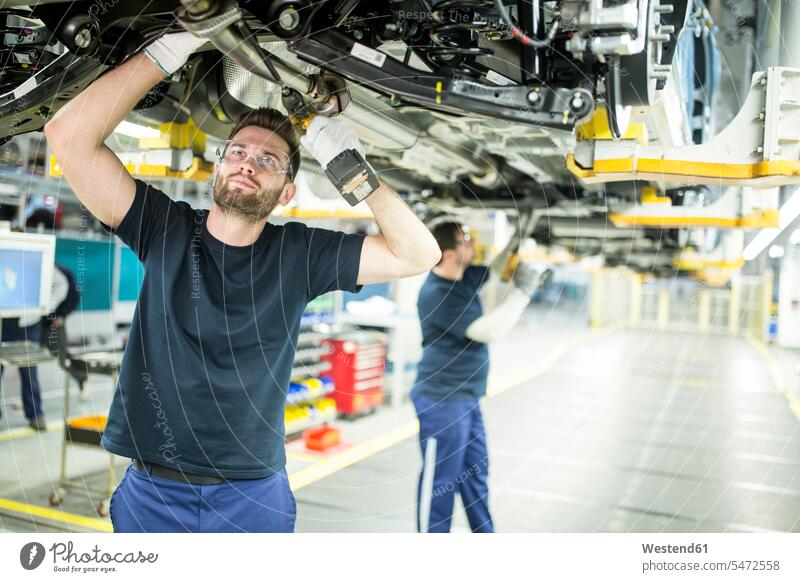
(631,431)
(588,431)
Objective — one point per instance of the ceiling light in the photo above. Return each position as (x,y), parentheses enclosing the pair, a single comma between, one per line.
(136,130)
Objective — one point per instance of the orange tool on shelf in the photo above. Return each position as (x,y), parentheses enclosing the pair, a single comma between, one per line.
(93,423)
(322,438)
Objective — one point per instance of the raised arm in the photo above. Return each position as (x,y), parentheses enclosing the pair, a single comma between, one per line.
(405,246)
(77,133)
(498,322)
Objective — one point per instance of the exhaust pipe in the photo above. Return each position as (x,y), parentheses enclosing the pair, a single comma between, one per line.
(227,31)
(223,25)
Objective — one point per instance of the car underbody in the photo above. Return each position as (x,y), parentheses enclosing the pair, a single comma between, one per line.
(451,106)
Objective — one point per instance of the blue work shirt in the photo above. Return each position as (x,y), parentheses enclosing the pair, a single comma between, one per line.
(206,369)
(452,365)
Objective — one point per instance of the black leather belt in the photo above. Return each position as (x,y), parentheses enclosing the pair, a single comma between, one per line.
(166,473)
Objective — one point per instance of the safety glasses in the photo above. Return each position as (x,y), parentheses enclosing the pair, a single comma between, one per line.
(235,152)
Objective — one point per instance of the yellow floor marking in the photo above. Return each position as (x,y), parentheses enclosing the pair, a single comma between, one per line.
(701,383)
(19,433)
(689,381)
(776,374)
(58,425)
(30,512)
(326,467)
(313,473)
(304,456)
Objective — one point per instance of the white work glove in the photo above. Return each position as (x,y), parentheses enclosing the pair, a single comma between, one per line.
(171,51)
(528,279)
(327,137)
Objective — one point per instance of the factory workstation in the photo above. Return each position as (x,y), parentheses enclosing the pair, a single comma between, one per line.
(369,269)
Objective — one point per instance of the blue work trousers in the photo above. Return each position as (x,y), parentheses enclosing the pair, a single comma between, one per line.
(455,460)
(146,503)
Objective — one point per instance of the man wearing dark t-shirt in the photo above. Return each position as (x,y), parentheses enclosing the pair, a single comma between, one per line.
(451,379)
(200,403)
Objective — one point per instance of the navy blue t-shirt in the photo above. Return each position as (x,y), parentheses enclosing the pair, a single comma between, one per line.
(452,365)
(206,368)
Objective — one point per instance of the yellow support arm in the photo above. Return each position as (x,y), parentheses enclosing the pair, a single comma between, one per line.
(759,148)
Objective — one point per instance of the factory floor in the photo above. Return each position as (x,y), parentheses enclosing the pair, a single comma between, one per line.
(608,430)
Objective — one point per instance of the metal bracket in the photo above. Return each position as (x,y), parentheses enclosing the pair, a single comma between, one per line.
(553,107)
(753,150)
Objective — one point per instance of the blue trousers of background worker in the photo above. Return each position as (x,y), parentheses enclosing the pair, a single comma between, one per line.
(29,379)
(145,503)
(454,461)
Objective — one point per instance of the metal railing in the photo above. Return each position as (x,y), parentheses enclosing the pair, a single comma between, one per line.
(620,296)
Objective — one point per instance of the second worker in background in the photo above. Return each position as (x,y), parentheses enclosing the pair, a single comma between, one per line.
(451,379)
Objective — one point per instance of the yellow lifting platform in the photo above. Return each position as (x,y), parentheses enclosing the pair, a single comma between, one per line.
(760,148)
(742,208)
(177,153)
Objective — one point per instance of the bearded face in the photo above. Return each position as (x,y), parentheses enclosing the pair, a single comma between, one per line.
(242,196)
(252,174)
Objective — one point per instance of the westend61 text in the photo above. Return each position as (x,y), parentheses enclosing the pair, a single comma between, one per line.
(670,549)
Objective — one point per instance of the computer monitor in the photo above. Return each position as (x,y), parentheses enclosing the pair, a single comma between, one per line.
(26,273)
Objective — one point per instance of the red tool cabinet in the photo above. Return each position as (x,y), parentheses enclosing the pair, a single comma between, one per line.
(357,366)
